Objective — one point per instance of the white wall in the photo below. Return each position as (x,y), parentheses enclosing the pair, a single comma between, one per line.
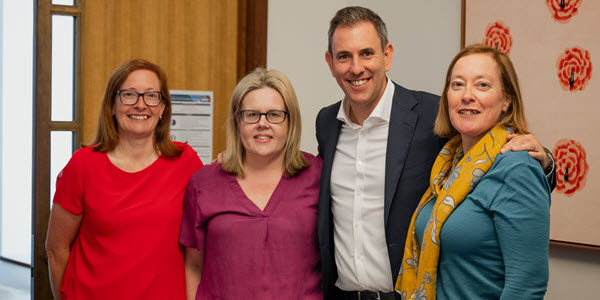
(16,99)
(574,273)
(425,35)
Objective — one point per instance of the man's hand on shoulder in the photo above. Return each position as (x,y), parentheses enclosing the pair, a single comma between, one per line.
(528,142)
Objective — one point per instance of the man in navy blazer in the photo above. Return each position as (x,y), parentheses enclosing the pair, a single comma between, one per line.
(378,147)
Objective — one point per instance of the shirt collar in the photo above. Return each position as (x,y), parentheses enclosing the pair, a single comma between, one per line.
(381,113)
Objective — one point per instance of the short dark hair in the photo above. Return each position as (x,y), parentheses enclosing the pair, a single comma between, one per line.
(351,16)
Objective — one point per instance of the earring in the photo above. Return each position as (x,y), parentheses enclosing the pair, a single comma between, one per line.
(160,117)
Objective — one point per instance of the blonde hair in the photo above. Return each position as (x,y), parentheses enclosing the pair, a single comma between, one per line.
(515,115)
(107,136)
(234,155)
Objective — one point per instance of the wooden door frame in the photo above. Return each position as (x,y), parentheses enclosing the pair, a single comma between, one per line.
(252,35)
(43,126)
(40,285)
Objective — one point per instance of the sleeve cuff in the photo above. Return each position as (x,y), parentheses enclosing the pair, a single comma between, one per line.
(550,169)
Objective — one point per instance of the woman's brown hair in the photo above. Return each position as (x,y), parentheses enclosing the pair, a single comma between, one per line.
(515,115)
(107,136)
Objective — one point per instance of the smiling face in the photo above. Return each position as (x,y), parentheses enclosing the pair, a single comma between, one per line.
(475,97)
(263,139)
(138,120)
(359,65)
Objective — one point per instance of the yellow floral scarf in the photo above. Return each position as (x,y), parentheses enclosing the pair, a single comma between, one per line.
(453,177)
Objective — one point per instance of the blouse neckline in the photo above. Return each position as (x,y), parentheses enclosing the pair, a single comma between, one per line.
(144,170)
(271,205)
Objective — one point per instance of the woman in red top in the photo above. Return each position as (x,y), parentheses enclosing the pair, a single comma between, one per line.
(114,227)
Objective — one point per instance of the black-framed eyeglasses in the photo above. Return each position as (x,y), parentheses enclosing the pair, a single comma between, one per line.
(129,97)
(253,116)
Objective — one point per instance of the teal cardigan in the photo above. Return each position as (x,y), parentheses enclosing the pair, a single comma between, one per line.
(495,244)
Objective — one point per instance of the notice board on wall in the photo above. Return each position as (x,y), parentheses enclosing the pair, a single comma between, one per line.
(192,121)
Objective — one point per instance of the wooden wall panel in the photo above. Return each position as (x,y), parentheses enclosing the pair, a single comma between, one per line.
(252,35)
(195,41)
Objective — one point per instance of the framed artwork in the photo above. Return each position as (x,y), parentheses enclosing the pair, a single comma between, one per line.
(554,46)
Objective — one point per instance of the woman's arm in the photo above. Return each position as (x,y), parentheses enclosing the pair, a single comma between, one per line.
(62,230)
(522,220)
(194,260)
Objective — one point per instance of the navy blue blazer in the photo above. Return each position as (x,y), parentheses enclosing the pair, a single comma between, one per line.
(411,150)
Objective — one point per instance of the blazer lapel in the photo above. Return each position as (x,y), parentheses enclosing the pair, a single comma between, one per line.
(331,134)
(329,153)
(402,127)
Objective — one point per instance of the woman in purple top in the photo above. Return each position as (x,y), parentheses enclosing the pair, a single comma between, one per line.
(249,224)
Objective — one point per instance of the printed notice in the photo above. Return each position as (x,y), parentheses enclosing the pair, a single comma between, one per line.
(192,120)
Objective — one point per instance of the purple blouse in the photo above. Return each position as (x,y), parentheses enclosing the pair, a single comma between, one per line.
(249,253)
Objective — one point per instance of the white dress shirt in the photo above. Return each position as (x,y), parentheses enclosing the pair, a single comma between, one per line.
(357,192)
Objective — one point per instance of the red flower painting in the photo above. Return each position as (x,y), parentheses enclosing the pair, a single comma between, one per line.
(574,69)
(571,166)
(497,35)
(563,10)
